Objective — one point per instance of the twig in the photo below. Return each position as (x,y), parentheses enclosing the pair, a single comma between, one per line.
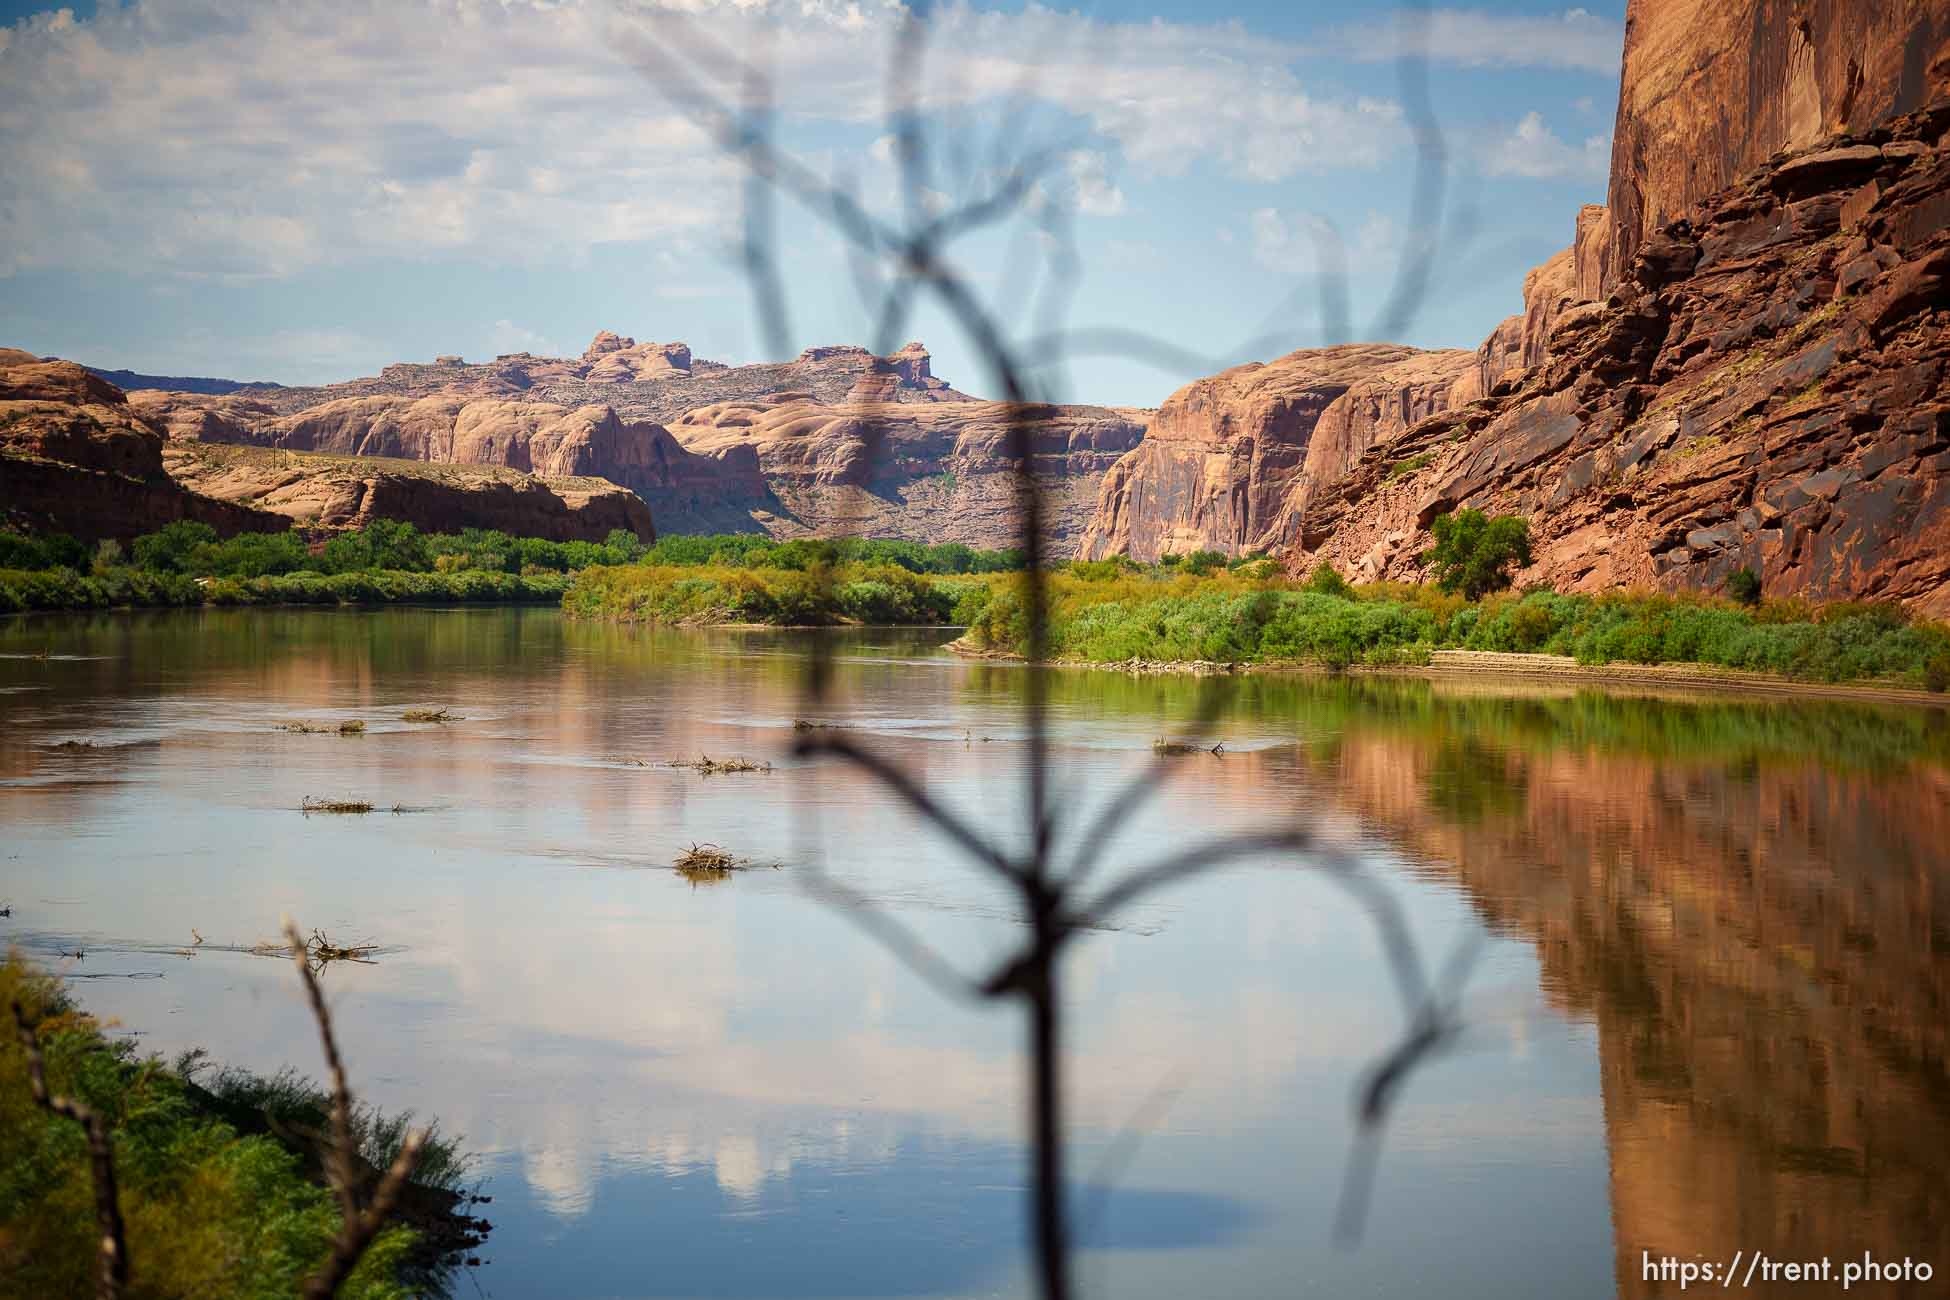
(113,1276)
(358,1226)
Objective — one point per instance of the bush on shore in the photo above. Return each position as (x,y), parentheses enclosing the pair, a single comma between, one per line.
(881,594)
(208,1210)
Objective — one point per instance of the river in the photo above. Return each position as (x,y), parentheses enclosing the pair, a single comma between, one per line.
(1706,1014)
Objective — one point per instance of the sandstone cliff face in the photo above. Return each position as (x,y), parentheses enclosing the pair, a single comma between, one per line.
(1711,88)
(74,458)
(554,442)
(325,491)
(1765,387)
(836,440)
(1223,455)
(935,472)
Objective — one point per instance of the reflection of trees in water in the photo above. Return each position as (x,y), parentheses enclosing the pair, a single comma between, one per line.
(1469,781)
(1760,942)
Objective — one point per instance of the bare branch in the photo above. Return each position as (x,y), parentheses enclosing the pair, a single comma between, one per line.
(341,1160)
(1190,862)
(919,799)
(113,1275)
(897,938)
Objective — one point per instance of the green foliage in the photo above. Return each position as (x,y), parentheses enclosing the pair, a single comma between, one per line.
(819,594)
(1200,563)
(1408,465)
(758,551)
(209,1210)
(1936,672)
(54,551)
(1743,587)
(1474,553)
(168,550)
(1326,580)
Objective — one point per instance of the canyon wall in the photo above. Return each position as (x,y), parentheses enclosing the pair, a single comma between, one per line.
(1711,89)
(1763,388)
(1222,455)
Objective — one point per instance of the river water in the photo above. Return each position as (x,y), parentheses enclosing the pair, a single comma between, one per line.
(1706,1011)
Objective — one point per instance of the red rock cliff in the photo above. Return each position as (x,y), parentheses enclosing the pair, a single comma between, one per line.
(1711,89)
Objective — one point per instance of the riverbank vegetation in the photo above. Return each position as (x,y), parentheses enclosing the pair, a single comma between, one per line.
(1226,618)
(218,1194)
(386,562)
(819,595)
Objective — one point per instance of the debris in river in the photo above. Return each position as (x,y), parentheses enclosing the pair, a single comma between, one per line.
(1178,748)
(352,728)
(707,864)
(320,951)
(311,805)
(705,765)
(430,715)
(808,724)
(73,746)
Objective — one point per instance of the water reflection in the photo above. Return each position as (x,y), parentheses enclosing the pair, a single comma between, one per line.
(1713,1020)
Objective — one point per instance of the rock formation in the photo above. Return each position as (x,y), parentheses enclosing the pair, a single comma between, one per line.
(1224,456)
(1710,89)
(710,447)
(935,472)
(1763,388)
(323,491)
(75,458)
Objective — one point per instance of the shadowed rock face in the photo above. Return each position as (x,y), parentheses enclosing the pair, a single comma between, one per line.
(1711,88)
(1764,388)
(1223,455)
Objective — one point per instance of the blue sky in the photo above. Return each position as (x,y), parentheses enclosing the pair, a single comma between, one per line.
(306,191)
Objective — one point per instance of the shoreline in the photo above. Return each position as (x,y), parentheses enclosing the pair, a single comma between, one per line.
(1467,665)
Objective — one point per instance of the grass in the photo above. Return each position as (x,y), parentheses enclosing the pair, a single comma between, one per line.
(1225,618)
(823,596)
(120,587)
(218,1182)
(1409,465)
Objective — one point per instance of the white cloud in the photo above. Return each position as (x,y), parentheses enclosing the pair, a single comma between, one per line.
(1306,242)
(1096,195)
(1532,150)
(230,138)
(506,336)
(1575,39)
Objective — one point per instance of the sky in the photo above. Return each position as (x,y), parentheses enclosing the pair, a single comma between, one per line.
(306,190)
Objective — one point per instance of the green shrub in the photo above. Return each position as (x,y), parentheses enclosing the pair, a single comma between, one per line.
(168,549)
(1475,554)
(1743,587)
(1326,580)
(1201,563)
(1936,672)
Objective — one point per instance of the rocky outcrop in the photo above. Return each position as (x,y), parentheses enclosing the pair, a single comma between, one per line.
(554,442)
(1224,463)
(836,440)
(75,458)
(1711,89)
(325,491)
(1763,388)
(934,472)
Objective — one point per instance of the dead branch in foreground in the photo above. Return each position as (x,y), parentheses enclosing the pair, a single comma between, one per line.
(114,1275)
(358,1225)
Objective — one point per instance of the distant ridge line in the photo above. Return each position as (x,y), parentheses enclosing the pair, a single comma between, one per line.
(129,379)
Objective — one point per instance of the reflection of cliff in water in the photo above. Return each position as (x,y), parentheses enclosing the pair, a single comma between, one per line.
(1763,941)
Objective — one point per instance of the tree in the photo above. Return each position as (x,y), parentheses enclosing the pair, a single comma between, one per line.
(168,549)
(1475,553)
